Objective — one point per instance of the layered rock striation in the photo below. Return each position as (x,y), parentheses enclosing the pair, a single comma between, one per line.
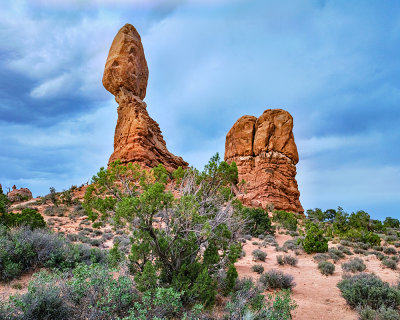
(138,137)
(266,156)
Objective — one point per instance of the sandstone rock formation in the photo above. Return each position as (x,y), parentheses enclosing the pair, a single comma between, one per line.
(266,156)
(138,137)
(19,194)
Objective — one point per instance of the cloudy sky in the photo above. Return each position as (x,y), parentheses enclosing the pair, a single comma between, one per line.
(334,65)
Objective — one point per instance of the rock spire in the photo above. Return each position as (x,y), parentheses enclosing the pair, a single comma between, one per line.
(138,137)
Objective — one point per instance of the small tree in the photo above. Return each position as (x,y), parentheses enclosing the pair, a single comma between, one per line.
(256,221)
(186,240)
(3,201)
(315,240)
(53,196)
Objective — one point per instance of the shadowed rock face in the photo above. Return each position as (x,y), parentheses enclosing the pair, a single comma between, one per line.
(138,137)
(266,155)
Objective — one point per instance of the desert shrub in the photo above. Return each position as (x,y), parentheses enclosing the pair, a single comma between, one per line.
(326,268)
(321,257)
(346,243)
(354,265)
(23,249)
(279,249)
(390,263)
(72,237)
(389,250)
(369,290)
(359,251)
(335,254)
(44,300)
(345,250)
(379,255)
(287,259)
(255,243)
(362,245)
(248,303)
(199,230)
(315,240)
(286,219)
(275,279)
(257,268)
(377,248)
(107,236)
(259,254)
(291,244)
(257,222)
(28,217)
(367,313)
(55,211)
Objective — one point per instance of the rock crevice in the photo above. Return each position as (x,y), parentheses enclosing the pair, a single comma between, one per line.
(266,156)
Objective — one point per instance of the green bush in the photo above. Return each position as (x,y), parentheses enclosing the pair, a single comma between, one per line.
(326,268)
(286,219)
(362,236)
(275,279)
(369,290)
(28,217)
(354,265)
(257,222)
(259,254)
(230,280)
(315,240)
(391,223)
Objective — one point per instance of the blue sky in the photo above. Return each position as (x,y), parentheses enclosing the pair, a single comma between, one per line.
(334,65)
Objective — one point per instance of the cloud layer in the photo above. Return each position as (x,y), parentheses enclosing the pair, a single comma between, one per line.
(333,65)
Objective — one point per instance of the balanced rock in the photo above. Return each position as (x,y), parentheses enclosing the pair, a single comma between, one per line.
(16,195)
(138,137)
(266,156)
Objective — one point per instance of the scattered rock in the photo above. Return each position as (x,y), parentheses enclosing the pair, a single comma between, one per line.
(18,195)
(138,137)
(266,156)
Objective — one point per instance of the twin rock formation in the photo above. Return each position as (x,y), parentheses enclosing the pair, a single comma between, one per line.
(266,156)
(263,149)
